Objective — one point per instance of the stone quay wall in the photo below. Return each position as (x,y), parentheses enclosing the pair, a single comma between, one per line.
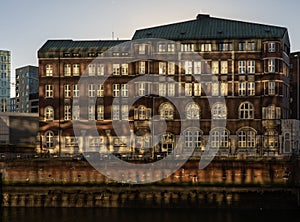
(223,184)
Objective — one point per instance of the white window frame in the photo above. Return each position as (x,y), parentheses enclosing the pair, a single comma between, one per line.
(48,91)
(67,69)
(242,67)
(67,112)
(76,69)
(251,66)
(116,90)
(246,111)
(76,90)
(67,91)
(49,70)
(224,67)
(92,90)
(100,112)
(49,113)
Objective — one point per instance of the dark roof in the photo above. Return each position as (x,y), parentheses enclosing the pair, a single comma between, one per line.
(206,27)
(86,45)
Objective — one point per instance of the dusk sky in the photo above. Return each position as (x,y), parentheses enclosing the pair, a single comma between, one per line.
(26,25)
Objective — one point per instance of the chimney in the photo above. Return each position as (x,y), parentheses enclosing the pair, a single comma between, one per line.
(201,16)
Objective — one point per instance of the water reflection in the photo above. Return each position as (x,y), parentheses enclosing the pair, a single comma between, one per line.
(144,215)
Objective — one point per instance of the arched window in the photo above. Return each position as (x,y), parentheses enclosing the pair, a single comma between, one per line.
(49,113)
(49,136)
(246,138)
(166,111)
(219,111)
(219,138)
(167,142)
(142,113)
(192,111)
(246,111)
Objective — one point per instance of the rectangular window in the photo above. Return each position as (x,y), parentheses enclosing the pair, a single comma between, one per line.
(197,89)
(215,67)
(271,88)
(271,47)
(67,70)
(115,112)
(76,69)
(242,67)
(100,90)
(49,91)
(162,47)
(100,112)
(271,65)
(251,66)
(171,89)
(142,49)
(68,113)
(242,89)
(92,90)
(124,90)
(251,46)
(224,88)
(188,88)
(76,112)
(188,66)
(124,109)
(92,69)
(197,67)
(49,70)
(242,46)
(100,69)
(124,69)
(171,47)
(251,88)
(162,89)
(116,90)
(91,111)
(215,89)
(141,89)
(225,47)
(162,68)
(75,90)
(171,68)
(206,47)
(142,67)
(67,89)
(224,67)
(187,47)
(116,69)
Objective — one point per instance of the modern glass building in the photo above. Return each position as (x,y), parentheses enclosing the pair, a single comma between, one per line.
(5,80)
(26,86)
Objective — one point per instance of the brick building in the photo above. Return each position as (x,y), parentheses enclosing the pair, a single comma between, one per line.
(235,74)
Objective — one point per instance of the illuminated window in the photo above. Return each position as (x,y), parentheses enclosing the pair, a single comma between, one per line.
(49,91)
(49,113)
(49,70)
(76,69)
(219,111)
(67,69)
(49,139)
(192,111)
(166,111)
(67,111)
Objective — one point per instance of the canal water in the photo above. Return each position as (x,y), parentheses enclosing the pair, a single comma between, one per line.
(144,215)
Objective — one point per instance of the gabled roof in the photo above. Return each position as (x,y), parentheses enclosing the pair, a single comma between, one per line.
(71,45)
(205,27)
